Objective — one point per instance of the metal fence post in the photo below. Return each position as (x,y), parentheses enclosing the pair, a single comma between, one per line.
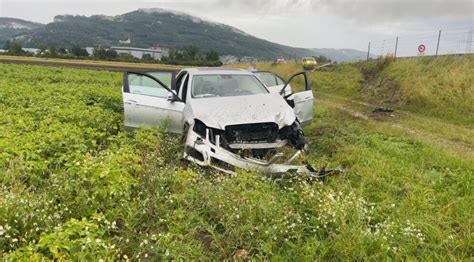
(368,52)
(437,45)
(396,47)
(383,46)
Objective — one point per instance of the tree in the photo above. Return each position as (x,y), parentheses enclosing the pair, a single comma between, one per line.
(104,54)
(111,54)
(147,57)
(322,59)
(42,48)
(126,57)
(62,51)
(190,52)
(77,51)
(13,48)
(212,56)
(53,51)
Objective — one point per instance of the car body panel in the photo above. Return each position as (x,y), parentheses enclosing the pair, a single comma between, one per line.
(222,111)
(146,103)
(149,111)
(303,108)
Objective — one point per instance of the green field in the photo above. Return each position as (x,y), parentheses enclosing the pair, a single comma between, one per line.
(74,185)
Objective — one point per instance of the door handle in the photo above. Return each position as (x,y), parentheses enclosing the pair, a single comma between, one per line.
(131,101)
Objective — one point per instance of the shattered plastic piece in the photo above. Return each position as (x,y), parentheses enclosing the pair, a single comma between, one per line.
(322,173)
(382,110)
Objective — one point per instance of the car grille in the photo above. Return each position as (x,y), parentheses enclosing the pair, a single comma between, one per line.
(261,132)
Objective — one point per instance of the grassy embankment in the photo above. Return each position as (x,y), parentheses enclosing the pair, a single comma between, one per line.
(440,87)
(74,185)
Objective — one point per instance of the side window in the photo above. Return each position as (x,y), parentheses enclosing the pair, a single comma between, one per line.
(144,85)
(279,80)
(267,78)
(165,77)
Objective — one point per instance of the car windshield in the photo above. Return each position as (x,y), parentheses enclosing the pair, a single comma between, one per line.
(222,85)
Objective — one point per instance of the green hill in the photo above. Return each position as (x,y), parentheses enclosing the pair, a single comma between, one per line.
(13,28)
(148,27)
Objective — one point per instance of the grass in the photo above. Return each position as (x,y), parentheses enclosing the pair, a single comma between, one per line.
(75,186)
(442,87)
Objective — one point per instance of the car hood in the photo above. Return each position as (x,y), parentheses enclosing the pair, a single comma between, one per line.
(218,112)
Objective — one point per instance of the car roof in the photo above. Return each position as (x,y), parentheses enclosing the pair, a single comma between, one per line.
(216,70)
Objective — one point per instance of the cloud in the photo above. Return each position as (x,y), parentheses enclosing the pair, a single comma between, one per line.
(275,7)
(362,11)
(399,11)
(308,23)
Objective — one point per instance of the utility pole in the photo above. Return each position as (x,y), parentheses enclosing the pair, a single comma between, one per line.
(383,46)
(437,45)
(368,52)
(396,47)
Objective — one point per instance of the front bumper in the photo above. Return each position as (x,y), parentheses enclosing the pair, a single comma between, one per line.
(203,152)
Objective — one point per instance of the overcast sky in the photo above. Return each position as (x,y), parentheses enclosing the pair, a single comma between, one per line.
(301,23)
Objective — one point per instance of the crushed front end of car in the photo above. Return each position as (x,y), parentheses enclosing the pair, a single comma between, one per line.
(262,147)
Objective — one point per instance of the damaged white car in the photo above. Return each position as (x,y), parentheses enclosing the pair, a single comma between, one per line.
(229,118)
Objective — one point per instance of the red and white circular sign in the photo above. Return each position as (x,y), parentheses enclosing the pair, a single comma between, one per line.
(421,48)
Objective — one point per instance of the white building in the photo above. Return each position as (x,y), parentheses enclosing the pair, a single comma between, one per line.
(32,50)
(90,50)
(155,52)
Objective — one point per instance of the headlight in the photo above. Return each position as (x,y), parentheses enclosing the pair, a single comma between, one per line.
(199,128)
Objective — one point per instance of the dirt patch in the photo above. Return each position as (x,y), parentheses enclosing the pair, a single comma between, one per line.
(381,116)
(459,147)
(206,238)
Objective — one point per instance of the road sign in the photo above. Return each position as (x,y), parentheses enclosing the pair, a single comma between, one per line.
(421,48)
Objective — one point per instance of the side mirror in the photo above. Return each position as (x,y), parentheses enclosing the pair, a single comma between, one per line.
(172,96)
